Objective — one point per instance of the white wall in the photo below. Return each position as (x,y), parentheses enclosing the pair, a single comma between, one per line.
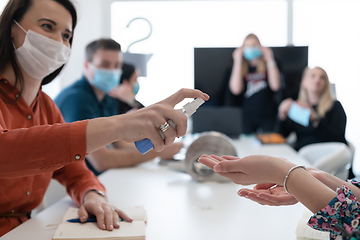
(93,23)
(90,27)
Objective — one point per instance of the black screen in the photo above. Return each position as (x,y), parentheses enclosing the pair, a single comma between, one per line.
(212,69)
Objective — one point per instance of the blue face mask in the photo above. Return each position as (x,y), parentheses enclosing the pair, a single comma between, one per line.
(106,79)
(136,88)
(251,53)
(299,114)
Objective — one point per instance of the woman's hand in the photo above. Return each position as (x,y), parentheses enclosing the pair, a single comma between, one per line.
(268,194)
(238,54)
(145,122)
(123,92)
(284,108)
(107,216)
(267,54)
(249,170)
(313,116)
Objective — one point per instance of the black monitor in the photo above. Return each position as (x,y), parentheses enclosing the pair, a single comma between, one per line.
(212,69)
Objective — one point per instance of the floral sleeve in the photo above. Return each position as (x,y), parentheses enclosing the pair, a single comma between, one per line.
(342,210)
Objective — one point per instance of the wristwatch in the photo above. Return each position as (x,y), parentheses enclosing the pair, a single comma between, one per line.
(97,192)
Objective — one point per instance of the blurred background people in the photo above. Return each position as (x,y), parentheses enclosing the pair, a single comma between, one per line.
(327,118)
(125,92)
(255,75)
(88,98)
(318,121)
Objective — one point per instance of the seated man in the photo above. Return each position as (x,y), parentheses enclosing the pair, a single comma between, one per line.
(87,98)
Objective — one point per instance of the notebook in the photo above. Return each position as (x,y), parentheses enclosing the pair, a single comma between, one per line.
(90,230)
(305,232)
(226,120)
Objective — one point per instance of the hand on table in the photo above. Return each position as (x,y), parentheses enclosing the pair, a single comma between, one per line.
(107,215)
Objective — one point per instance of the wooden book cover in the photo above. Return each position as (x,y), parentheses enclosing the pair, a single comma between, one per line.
(271,138)
(90,230)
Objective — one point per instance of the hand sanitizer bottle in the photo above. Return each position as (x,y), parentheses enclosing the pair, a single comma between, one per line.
(188,109)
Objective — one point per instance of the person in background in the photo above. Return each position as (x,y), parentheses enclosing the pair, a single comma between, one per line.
(255,75)
(125,93)
(36,145)
(327,119)
(333,201)
(88,98)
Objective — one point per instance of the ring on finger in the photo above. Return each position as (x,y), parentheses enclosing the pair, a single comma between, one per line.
(164,127)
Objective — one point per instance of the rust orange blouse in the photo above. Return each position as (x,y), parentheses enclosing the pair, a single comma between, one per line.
(35,148)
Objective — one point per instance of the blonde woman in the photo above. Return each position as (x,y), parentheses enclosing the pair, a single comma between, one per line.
(255,75)
(327,120)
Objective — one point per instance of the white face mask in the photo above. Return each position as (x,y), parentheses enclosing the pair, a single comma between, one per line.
(39,55)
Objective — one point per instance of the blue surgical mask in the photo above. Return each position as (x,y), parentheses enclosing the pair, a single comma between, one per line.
(299,114)
(136,87)
(106,79)
(251,53)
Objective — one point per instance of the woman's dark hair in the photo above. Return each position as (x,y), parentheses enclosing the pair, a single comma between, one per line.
(15,10)
(127,71)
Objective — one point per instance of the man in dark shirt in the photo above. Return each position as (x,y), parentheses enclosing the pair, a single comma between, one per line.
(87,98)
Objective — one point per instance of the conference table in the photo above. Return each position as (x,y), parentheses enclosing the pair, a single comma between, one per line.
(179,208)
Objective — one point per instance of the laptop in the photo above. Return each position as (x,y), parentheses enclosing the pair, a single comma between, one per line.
(227,120)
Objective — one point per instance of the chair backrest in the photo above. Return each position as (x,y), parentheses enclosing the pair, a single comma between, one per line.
(54,193)
(332,157)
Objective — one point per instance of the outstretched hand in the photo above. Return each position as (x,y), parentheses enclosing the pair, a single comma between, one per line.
(265,171)
(268,194)
(249,170)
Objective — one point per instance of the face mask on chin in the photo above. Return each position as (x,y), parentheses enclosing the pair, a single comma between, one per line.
(106,79)
(39,55)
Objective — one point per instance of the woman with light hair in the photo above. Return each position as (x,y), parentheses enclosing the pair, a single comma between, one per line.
(319,122)
(326,121)
(255,76)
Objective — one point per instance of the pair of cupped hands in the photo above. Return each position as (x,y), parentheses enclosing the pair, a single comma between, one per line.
(268,173)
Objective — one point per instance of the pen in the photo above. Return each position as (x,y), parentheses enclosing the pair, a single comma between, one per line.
(77,220)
